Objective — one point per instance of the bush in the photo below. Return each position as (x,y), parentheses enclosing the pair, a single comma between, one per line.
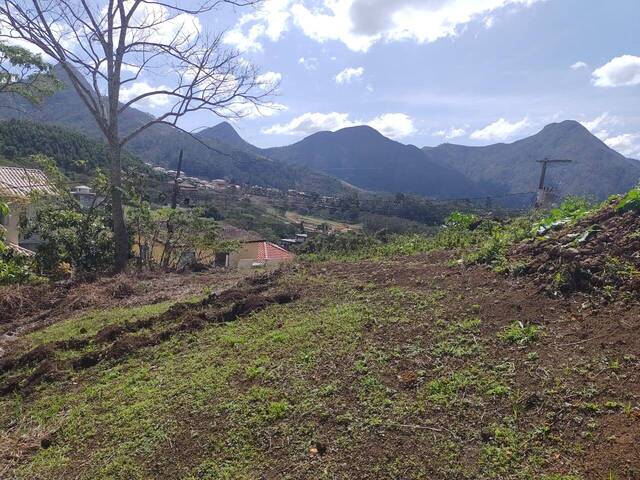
(13,268)
(84,241)
(630,202)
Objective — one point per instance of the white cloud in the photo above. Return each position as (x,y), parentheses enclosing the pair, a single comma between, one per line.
(627,143)
(141,87)
(597,125)
(619,72)
(361,23)
(451,133)
(308,63)
(269,80)
(579,65)
(309,123)
(394,125)
(269,20)
(500,130)
(348,74)
(249,110)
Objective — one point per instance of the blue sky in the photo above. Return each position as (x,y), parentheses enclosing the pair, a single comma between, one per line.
(420,71)
(430,71)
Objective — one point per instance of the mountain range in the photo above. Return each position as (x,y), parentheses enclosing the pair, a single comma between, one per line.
(333,162)
(205,154)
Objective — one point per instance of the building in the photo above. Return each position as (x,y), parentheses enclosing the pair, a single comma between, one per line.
(258,253)
(16,186)
(84,195)
(253,251)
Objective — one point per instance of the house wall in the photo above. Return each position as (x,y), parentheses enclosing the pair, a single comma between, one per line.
(11,224)
(244,256)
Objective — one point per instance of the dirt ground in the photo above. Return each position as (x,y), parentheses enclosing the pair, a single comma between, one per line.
(451,372)
(24,309)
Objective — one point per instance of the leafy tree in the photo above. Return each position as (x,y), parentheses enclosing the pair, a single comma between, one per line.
(25,73)
(80,236)
(192,238)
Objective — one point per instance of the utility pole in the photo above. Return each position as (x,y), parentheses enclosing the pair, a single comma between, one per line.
(176,183)
(542,191)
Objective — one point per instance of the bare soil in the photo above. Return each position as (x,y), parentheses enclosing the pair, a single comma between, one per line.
(575,389)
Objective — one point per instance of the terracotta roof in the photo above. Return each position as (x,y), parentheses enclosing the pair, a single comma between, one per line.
(270,251)
(16,182)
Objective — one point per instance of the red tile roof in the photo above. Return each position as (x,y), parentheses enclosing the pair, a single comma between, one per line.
(270,251)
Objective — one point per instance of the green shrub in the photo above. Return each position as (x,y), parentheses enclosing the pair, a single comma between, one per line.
(520,334)
(630,202)
(73,237)
(13,268)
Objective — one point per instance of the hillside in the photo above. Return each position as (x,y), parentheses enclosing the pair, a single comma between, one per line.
(597,170)
(73,152)
(401,361)
(225,133)
(367,159)
(161,144)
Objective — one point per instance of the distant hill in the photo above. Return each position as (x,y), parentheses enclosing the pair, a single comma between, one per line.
(225,133)
(72,151)
(238,162)
(365,158)
(597,170)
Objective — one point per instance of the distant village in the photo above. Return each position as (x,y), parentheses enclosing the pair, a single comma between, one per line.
(18,184)
(194,184)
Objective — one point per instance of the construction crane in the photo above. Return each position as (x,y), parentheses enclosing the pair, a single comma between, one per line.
(542,191)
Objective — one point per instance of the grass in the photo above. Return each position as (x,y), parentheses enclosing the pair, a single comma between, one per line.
(253,398)
(88,324)
(464,388)
(519,334)
(134,403)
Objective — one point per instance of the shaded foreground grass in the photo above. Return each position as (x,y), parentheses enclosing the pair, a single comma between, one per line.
(380,370)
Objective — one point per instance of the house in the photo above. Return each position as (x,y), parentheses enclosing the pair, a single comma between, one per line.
(258,253)
(84,195)
(16,186)
(254,251)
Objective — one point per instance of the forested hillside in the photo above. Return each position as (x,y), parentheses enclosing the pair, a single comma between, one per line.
(72,151)
(207,157)
(367,159)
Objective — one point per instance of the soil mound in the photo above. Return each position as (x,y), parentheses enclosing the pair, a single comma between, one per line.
(600,253)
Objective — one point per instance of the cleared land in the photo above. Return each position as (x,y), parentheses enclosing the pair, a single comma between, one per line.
(403,367)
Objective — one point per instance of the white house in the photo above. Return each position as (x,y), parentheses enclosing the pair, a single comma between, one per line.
(16,186)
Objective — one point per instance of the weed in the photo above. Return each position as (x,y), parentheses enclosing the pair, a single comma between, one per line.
(519,334)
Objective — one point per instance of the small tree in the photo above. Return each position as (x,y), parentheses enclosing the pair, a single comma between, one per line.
(70,232)
(107,46)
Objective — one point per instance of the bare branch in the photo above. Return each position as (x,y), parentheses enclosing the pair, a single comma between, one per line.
(106,47)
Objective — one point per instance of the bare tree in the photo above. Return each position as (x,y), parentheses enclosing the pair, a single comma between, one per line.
(111,49)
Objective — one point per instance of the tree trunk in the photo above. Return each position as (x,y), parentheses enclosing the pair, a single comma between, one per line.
(120,235)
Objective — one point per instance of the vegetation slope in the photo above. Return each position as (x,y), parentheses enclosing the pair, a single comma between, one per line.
(425,357)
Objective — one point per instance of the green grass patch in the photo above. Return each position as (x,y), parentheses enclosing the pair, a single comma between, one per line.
(519,334)
(460,386)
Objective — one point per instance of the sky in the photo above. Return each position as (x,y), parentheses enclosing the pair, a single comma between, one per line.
(426,72)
